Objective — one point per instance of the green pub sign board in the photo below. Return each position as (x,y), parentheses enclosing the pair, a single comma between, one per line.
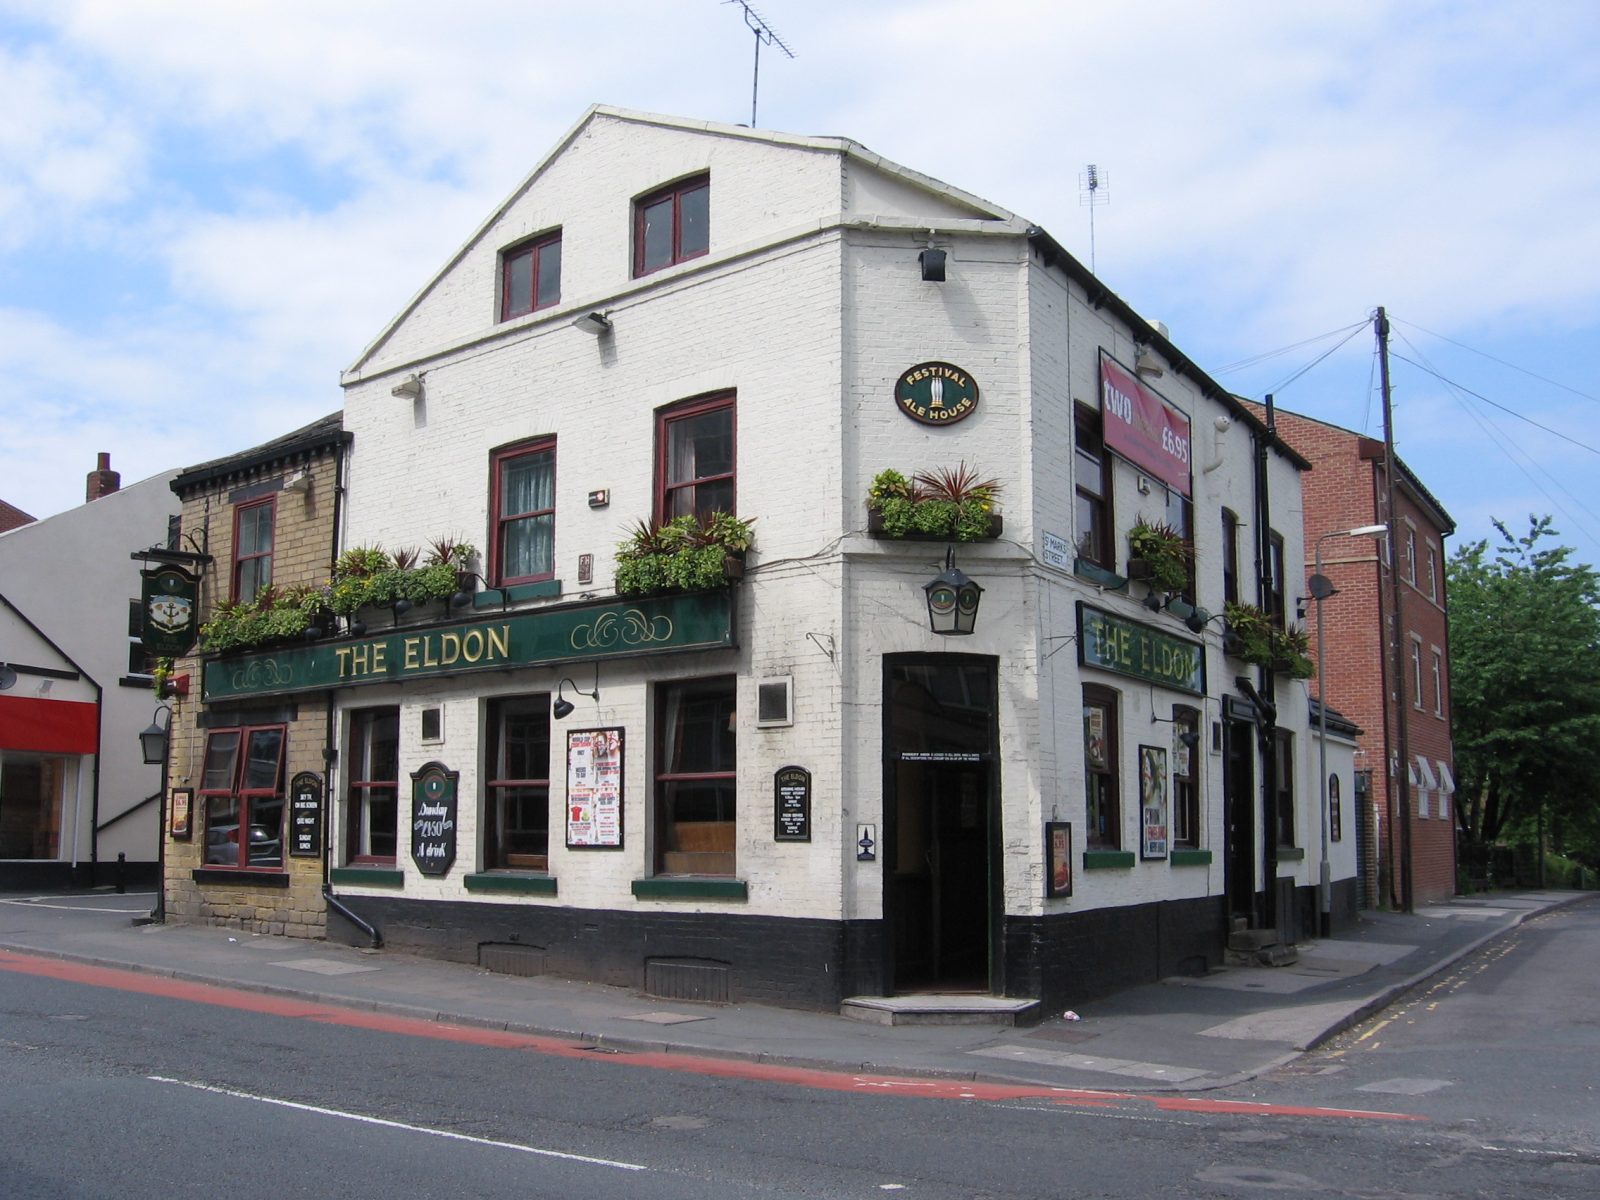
(701,621)
(1111,643)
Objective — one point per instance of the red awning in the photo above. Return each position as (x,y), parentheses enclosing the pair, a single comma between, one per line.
(47,726)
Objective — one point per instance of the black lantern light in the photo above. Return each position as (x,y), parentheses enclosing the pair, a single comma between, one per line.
(952,600)
(153,741)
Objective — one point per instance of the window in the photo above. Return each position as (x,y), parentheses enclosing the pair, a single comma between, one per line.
(1433,573)
(1177,516)
(1284,782)
(1438,684)
(1092,468)
(695,465)
(1185,785)
(372,801)
(140,660)
(516,819)
(1102,793)
(252,548)
(1276,571)
(241,786)
(1411,557)
(696,788)
(1416,673)
(524,513)
(1230,556)
(672,225)
(530,276)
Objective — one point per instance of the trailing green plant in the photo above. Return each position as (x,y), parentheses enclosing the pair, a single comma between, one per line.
(944,502)
(1257,639)
(1162,547)
(684,554)
(160,676)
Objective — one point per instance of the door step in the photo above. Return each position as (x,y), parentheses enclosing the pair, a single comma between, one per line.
(1259,948)
(936,1009)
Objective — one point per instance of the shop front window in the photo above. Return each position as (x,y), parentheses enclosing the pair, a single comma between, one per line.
(372,801)
(1284,748)
(696,779)
(241,786)
(1103,814)
(516,833)
(1185,778)
(31,791)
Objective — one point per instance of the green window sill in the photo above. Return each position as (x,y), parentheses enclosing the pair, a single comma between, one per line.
(1191,858)
(1095,573)
(491,597)
(1107,860)
(368,877)
(524,885)
(1291,854)
(668,887)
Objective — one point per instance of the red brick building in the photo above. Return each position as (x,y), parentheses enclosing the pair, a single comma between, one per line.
(1346,490)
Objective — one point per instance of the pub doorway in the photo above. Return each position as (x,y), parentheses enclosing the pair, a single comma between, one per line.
(941,815)
(1239,789)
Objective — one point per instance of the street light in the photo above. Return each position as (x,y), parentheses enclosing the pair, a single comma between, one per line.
(1321,589)
(156,743)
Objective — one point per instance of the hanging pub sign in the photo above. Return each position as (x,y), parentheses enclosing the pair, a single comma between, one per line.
(594,789)
(936,393)
(433,818)
(167,611)
(1142,427)
(791,788)
(305,816)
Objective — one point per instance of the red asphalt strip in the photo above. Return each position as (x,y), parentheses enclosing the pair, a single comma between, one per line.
(809,1077)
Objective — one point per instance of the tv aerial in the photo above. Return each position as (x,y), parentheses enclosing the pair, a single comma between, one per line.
(765,35)
(1093,191)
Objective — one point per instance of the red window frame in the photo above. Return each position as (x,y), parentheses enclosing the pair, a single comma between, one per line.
(358,792)
(667,488)
(500,520)
(535,250)
(1186,784)
(1094,505)
(674,701)
(1230,556)
(234,789)
(1107,773)
(497,854)
(240,561)
(675,193)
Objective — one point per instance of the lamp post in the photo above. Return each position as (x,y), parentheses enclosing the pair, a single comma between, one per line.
(156,745)
(1321,589)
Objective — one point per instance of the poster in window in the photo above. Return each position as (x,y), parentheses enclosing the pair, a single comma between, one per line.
(1057,859)
(594,789)
(1094,736)
(1153,802)
(1182,752)
(182,807)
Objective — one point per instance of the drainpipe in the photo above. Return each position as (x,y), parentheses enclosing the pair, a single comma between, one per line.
(1267,729)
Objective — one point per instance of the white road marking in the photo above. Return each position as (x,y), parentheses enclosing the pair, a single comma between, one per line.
(366,1120)
(38,902)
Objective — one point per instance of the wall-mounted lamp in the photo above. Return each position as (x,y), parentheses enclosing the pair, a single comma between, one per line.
(300,482)
(463,596)
(409,388)
(953,599)
(400,608)
(153,740)
(563,707)
(1145,363)
(1188,736)
(595,323)
(932,263)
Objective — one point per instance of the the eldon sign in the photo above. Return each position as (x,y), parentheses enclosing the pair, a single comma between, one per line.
(936,393)
(1143,428)
(700,621)
(1111,643)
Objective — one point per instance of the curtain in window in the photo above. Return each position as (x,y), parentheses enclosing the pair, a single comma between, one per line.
(527,485)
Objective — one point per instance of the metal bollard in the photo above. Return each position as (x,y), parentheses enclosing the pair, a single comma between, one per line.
(122,864)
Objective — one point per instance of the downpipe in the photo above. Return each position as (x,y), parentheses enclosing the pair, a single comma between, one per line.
(343,910)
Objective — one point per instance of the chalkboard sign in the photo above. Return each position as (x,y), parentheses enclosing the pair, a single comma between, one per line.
(433,818)
(305,816)
(792,804)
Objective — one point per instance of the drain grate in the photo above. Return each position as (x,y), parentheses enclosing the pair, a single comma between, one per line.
(687,979)
(510,958)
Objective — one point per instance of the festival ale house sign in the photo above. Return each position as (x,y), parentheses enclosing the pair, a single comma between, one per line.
(936,393)
(1143,428)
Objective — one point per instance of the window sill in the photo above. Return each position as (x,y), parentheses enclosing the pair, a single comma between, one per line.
(497,598)
(1097,574)
(368,877)
(243,876)
(1190,858)
(688,887)
(1291,854)
(508,881)
(1108,860)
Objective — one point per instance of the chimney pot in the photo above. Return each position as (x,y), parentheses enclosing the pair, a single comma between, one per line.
(102,480)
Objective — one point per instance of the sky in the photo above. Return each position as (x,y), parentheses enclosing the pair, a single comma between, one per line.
(207,210)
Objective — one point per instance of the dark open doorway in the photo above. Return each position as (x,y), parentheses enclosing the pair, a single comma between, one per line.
(941,813)
(1239,787)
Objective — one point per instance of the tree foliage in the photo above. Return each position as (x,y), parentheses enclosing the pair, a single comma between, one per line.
(1525,692)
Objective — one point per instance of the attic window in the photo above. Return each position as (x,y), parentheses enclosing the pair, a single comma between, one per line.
(530,276)
(672,225)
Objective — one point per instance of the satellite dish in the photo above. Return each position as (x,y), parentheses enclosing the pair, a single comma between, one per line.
(8,676)
(1322,587)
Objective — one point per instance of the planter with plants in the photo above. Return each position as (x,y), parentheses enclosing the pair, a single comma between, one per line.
(1158,555)
(273,616)
(685,554)
(947,504)
(1250,634)
(369,577)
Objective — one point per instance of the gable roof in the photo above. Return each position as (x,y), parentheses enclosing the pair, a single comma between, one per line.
(12,517)
(323,433)
(844,147)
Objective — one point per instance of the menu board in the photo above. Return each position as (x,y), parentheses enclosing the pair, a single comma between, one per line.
(305,816)
(433,818)
(594,789)
(791,788)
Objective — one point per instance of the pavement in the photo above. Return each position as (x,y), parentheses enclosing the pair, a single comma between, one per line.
(1181,1034)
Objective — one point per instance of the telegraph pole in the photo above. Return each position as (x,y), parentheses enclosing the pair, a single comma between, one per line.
(1397,654)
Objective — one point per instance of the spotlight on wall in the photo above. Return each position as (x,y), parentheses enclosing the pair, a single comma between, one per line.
(563,707)
(1144,363)
(300,482)
(596,323)
(409,388)
(932,263)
